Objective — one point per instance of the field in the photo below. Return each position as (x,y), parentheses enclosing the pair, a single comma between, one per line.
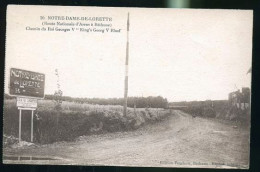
(74,120)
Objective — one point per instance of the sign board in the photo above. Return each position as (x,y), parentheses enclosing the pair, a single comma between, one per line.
(26,102)
(26,83)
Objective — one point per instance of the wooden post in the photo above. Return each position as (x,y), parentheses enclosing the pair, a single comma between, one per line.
(20,125)
(32,127)
(126,68)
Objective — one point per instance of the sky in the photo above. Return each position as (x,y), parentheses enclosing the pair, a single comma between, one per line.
(182,55)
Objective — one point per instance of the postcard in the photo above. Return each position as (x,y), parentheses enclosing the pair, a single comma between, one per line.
(142,87)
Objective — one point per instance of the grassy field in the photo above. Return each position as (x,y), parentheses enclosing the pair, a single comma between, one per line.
(74,120)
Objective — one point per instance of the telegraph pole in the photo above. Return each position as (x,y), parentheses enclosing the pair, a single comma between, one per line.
(126,67)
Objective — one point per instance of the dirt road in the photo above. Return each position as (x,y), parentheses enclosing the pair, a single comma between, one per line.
(179,141)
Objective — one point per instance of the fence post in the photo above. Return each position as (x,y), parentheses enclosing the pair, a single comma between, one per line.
(20,125)
(32,127)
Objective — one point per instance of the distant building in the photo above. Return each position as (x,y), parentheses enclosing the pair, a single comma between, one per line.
(240,100)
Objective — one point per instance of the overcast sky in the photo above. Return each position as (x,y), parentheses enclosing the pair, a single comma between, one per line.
(178,54)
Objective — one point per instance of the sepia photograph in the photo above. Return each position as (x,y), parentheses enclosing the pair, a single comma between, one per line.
(134,87)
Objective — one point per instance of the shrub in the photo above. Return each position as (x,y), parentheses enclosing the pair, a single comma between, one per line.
(74,120)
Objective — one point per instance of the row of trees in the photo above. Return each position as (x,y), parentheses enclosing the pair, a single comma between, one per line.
(138,102)
(198,103)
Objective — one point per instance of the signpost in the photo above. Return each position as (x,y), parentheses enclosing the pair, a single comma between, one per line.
(26,102)
(27,86)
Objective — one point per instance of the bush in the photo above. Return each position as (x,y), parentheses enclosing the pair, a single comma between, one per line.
(75,120)
(209,112)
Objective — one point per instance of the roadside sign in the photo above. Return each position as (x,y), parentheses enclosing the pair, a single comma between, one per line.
(24,102)
(27,86)
(26,83)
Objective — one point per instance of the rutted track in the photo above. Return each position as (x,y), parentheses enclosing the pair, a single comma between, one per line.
(181,140)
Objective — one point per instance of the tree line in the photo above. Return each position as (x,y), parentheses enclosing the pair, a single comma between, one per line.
(138,102)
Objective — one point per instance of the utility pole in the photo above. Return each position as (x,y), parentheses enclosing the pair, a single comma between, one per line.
(126,67)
